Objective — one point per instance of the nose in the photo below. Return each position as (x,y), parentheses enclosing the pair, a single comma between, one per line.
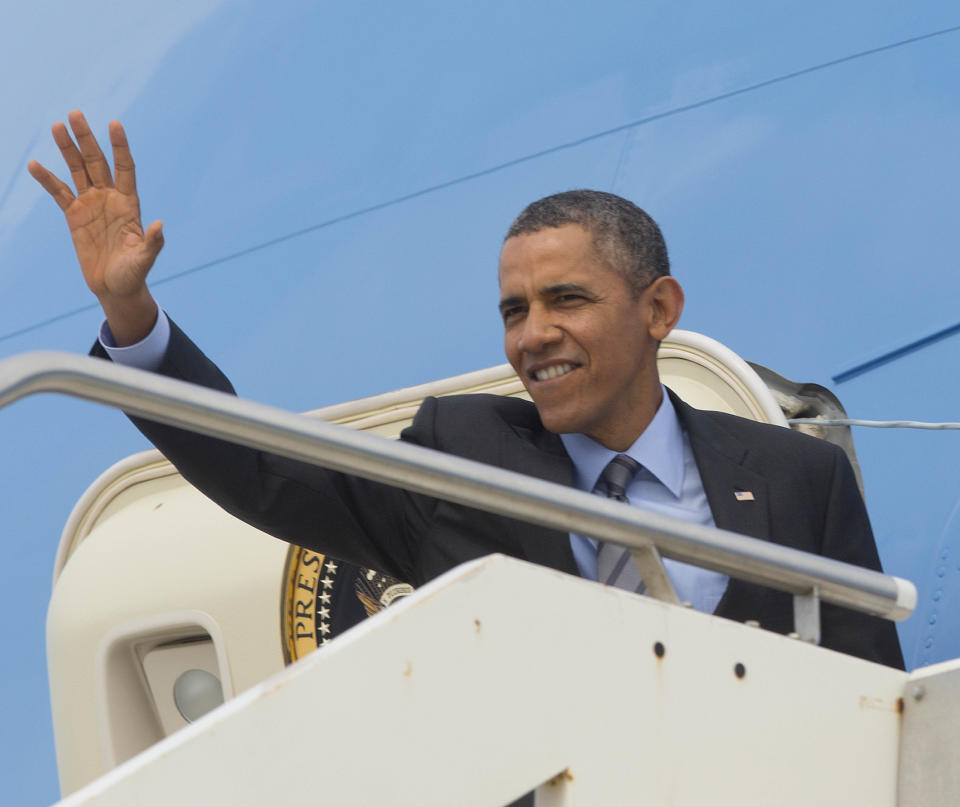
(539,331)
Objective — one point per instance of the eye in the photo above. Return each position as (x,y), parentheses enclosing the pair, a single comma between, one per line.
(570,298)
(511,312)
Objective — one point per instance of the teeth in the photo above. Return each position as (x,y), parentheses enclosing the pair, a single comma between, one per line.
(552,372)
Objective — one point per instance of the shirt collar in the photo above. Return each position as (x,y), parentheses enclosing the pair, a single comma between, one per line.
(659,449)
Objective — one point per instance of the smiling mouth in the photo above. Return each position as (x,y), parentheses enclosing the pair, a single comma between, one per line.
(554,371)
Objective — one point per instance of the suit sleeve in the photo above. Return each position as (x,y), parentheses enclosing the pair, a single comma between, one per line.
(362,522)
(847,536)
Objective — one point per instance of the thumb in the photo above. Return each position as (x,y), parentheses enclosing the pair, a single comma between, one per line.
(153,239)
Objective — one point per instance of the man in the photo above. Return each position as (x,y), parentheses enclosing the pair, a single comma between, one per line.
(586,298)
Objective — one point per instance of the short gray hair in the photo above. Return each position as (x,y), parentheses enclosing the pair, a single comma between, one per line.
(624,236)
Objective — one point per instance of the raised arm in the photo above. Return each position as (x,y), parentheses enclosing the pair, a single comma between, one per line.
(114,250)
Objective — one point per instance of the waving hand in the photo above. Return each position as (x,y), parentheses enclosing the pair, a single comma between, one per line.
(114,250)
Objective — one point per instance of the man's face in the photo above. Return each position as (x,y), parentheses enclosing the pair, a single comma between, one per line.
(576,336)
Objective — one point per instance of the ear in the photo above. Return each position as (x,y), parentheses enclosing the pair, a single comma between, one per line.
(665,298)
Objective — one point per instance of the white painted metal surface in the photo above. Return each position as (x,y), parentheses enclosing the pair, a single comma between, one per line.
(708,375)
(169,565)
(500,675)
(930,745)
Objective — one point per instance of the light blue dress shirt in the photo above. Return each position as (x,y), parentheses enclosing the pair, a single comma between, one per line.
(669,482)
(147,354)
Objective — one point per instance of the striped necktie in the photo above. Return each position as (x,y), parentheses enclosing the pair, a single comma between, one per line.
(615,564)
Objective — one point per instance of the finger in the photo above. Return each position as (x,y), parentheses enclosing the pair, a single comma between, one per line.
(153,239)
(97,168)
(71,156)
(124,172)
(60,191)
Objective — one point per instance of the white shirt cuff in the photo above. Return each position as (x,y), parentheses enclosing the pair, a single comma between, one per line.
(148,353)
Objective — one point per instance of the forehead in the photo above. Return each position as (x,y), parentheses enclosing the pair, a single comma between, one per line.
(552,255)
(569,246)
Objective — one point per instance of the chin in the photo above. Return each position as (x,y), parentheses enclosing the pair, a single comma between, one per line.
(559,422)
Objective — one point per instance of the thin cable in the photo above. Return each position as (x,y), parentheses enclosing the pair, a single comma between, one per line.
(509,164)
(876,424)
(49,321)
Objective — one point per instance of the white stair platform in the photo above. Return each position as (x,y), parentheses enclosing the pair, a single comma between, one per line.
(501,677)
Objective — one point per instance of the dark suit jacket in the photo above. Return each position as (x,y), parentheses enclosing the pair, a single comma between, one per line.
(805,496)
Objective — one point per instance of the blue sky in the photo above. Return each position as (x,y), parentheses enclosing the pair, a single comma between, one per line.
(810,219)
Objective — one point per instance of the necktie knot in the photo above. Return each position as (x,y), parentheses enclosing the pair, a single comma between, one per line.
(617,476)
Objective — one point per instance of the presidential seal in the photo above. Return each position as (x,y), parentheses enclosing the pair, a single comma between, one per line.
(322,597)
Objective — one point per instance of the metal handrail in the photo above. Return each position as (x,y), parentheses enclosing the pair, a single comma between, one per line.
(178,403)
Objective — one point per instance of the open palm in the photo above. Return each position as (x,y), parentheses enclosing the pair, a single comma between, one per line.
(114,250)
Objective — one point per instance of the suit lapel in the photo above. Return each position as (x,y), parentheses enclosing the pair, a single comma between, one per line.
(537,452)
(720,458)
(737,496)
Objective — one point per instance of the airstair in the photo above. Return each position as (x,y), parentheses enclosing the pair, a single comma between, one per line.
(494,680)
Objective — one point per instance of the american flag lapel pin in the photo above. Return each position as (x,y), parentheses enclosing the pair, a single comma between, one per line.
(743,495)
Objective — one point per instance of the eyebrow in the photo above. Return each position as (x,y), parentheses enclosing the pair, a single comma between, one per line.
(508,302)
(563,288)
(547,291)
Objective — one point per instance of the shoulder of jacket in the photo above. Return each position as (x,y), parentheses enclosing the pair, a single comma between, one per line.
(483,402)
(773,439)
